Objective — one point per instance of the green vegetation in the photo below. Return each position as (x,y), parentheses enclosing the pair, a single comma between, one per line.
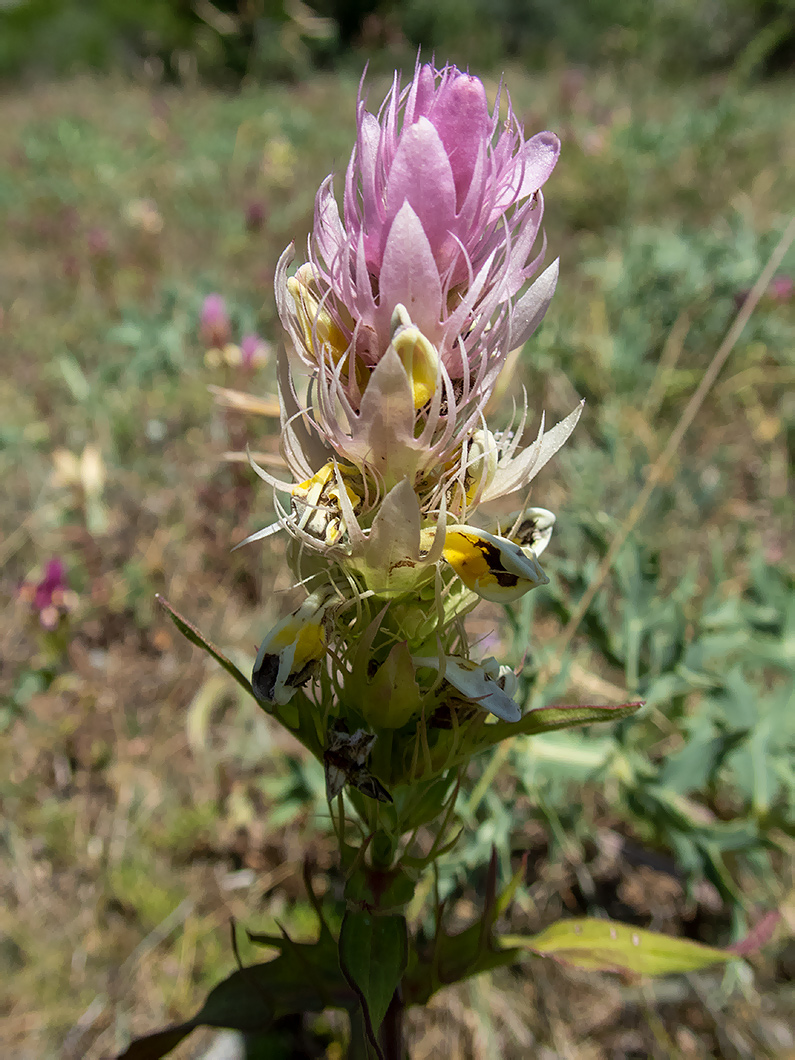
(144,800)
(226,40)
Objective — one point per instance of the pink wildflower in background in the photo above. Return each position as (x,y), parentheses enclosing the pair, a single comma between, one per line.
(254,216)
(214,324)
(781,288)
(50,597)
(253,350)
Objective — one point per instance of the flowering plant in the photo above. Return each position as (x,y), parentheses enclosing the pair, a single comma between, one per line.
(402,315)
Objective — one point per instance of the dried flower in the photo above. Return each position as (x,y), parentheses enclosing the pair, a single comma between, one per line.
(344,761)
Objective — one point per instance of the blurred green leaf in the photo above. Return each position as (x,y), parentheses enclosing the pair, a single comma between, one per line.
(607,946)
(694,766)
(304,978)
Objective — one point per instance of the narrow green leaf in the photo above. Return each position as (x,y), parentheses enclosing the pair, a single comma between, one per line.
(188,630)
(74,377)
(506,895)
(691,768)
(547,719)
(608,946)
(373,952)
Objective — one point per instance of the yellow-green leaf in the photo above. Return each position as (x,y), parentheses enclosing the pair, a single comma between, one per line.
(608,946)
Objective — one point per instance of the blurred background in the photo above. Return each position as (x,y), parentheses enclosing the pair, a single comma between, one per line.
(269,40)
(155,159)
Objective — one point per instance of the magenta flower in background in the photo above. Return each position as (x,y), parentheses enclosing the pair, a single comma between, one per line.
(254,216)
(98,242)
(442,208)
(51,597)
(215,327)
(781,288)
(253,350)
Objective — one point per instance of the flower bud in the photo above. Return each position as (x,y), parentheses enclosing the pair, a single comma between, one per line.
(393,695)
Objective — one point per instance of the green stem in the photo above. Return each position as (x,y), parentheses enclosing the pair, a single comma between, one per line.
(359,1048)
(391,1037)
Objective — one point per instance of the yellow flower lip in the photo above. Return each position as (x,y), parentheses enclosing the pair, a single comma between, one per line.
(318,500)
(493,567)
(420,361)
(317,325)
(292,651)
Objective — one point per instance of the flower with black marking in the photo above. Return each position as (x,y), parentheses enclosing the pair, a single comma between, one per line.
(292,652)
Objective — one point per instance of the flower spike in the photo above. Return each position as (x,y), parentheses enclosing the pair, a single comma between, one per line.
(415,288)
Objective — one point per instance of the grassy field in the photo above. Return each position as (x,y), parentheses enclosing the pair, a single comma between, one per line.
(144,804)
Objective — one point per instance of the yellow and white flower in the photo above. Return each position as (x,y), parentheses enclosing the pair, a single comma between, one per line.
(292,652)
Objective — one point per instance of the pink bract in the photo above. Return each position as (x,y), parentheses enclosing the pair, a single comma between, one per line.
(441,211)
